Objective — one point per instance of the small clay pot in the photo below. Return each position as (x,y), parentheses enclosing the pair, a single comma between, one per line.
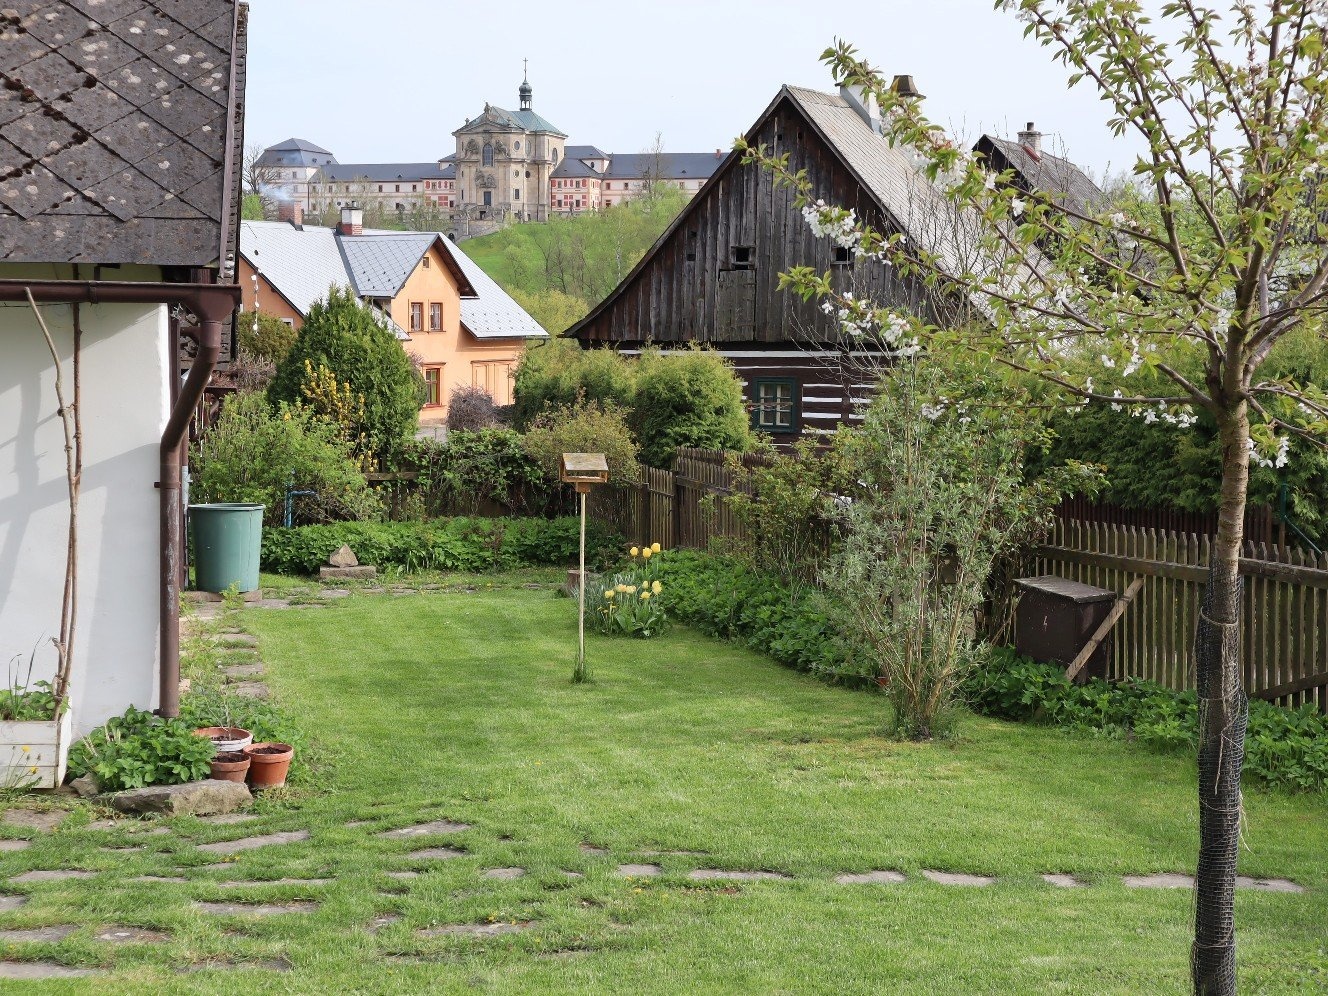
(268,764)
(882,681)
(230,766)
(226,738)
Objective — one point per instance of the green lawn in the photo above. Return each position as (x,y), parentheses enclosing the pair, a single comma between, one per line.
(458,705)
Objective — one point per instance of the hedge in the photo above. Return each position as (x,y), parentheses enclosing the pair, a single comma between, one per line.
(457,544)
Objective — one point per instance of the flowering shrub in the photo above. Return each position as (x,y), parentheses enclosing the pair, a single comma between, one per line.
(628,603)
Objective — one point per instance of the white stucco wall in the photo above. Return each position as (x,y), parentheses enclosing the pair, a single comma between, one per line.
(126,398)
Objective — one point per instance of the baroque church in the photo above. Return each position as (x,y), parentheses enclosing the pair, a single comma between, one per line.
(504,161)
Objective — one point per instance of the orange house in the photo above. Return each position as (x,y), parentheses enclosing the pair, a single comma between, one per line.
(460,327)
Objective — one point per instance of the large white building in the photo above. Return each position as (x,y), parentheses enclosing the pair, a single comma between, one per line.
(506,164)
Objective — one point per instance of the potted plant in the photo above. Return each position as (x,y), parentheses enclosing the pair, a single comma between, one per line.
(36,730)
(269,763)
(230,766)
(227,739)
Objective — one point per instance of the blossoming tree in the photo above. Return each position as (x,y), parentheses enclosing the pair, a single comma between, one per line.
(1224,256)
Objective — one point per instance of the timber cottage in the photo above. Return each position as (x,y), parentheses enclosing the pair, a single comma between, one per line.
(713,276)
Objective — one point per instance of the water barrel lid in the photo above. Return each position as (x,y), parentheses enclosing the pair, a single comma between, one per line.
(1064,588)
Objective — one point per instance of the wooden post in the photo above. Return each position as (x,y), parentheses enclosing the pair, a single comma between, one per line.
(1113,617)
(581,601)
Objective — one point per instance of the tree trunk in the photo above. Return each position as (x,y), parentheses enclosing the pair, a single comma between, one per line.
(1223,712)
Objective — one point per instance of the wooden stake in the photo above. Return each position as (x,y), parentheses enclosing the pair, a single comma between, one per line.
(580,673)
(1113,617)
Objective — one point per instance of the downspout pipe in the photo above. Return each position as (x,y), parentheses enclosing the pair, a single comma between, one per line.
(212,304)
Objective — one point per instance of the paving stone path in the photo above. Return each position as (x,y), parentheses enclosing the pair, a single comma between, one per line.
(870,878)
(251,843)
(14,845)
(33,819)
(130,935)
(1063,881)
(424,830)
(10,903)
(475,929)
(50,875)
(231,964)
(639,871)
(706,874)
(436,854)
(503,873)
(37,935)
(34,970)
(254,882)
(253,909)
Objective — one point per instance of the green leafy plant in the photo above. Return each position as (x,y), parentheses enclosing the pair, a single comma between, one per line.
(471,467)
(560,374)
(253,454)
(25,700)
(138,749)
(584,427)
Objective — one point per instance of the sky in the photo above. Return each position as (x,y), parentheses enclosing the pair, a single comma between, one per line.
(389,80)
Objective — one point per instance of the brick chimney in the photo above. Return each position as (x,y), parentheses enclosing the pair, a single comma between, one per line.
(352,221)
(291,212)
(1031,139)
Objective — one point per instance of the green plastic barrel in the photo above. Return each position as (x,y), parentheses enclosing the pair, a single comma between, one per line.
(228,539)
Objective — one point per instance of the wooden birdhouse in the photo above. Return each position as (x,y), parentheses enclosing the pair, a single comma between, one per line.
(584,470)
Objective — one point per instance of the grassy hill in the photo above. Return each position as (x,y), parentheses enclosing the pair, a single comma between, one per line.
(558,270)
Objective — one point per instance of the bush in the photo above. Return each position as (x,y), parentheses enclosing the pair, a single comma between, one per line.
(725,598)
(691,398)
(470,409)
(1283,747)
(584,427)
(139,749)
(560,374)
(351,340)
(458,544)
(264,337)
(251,454)
(471,467)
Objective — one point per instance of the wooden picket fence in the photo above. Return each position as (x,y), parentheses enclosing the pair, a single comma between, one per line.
(1285,629)
(1284,633)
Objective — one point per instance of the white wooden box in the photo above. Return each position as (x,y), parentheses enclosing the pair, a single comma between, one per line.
(34,754)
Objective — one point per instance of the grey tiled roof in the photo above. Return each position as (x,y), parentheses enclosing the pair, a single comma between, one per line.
(516,120)
(669,165)
(116,121)
(1045,173)
(303,263)
(379,263)
(584,152)
(572,167)
(492,314)
(295,152)
(383,172)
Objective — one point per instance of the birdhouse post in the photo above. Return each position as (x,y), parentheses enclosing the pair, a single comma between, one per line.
(583,471)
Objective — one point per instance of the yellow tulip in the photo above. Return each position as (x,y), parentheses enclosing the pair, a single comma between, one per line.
(657,587)
(647,552)
(655,547)
(621,588)
(634,551)
(645,596)
(608,594)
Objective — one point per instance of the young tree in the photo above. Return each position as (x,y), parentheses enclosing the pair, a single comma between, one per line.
(1226,260)
(362,356)
(260,193)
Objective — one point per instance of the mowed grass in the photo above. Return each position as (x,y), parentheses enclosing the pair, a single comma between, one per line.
(458,705)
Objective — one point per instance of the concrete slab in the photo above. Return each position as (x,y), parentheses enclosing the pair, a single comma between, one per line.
(870,878)
(252,843)
(425,830)
(956,878)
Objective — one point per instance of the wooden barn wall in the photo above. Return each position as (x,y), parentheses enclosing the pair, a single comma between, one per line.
(687,290)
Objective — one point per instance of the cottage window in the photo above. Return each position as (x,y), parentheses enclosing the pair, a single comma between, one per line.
(486,157)
(435,316)
(743,257)
(775,405)
(842,256)
(433,387)
(417,316)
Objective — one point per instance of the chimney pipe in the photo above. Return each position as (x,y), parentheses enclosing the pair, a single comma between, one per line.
(1031,139)
(905,87)
(352,221)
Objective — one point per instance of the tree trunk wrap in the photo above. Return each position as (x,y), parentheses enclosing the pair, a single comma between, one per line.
(1223,714)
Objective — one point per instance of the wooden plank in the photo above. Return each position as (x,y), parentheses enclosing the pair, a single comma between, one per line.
(1292,687)
(1100,634)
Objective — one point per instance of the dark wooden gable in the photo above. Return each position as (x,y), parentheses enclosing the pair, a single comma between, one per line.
(713,277)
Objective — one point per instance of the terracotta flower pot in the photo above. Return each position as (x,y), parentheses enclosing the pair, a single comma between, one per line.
(226,738)
(882,681)
(230,766)
(268,764)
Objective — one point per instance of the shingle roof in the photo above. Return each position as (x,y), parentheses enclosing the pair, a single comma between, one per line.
(295,152)
(1054,176)
(303,263)
(584,152)
(383,172)
(668,165)
(120,122)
